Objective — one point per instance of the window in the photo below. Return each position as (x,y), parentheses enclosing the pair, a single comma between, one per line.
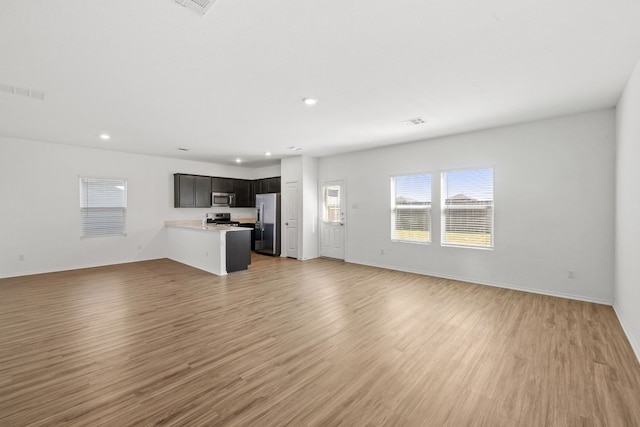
(411,208)
(467,208)
(331,204)
(103,203)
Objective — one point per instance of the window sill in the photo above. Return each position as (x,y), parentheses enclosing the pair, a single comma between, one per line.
(413,242)
(484,248)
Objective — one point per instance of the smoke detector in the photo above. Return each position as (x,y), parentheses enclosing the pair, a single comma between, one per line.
(199,6)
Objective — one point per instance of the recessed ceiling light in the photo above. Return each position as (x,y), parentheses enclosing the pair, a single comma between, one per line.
(105,136)
(182,149)
(310,101)
(267,153)
(238,160)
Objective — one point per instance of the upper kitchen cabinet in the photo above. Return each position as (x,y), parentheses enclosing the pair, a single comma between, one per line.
(259,186)
(203,192)
(222,185)
(242,189)
(194,191)
(273,185)
(267,185)
(191,191)
(184,195)
(252,194)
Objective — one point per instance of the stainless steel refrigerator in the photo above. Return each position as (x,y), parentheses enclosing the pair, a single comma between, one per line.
(267,233)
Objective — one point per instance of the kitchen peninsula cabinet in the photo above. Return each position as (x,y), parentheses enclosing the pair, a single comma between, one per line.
(217,249)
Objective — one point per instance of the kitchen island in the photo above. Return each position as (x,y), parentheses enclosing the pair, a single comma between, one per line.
(217,249)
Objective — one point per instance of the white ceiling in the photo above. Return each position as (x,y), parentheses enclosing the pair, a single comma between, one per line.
(157,76)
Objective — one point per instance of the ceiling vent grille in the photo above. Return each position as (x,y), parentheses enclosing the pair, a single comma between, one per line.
(29,93)
(412,122)
(199,6)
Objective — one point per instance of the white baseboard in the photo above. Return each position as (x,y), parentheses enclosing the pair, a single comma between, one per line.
(634,344)
(71,267)
(495,285)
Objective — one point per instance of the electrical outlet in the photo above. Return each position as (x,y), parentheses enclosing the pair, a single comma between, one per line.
(571,274)
(20,257)
(381,251)
(139,247)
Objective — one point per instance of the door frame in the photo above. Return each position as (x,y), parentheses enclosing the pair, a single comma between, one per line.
(322,183)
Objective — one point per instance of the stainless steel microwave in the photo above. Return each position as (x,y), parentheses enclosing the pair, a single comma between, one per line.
(227,200)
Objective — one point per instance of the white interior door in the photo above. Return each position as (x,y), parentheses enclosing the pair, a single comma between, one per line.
(291,219)
(332,220)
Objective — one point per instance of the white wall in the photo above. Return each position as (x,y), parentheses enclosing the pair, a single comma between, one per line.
(627,265)
(554,205)
(40,214)
(310,207)
(264,172)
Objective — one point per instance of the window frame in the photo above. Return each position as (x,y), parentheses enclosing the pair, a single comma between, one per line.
(428,207)
(443,210)
(86,209)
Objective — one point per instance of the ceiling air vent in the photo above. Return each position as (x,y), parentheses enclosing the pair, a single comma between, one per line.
(199,6)
(416,121)
(29,93)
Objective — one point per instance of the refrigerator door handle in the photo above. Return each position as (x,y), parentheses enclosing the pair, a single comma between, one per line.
(262,222)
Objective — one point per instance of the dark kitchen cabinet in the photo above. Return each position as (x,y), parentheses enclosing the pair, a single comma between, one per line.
(252,194)
(260,186)
(238,250)
(194,191)
(273,185)
(191,191)
(267,185)
(242,189)
(203,192)
(184,191)
(222,185)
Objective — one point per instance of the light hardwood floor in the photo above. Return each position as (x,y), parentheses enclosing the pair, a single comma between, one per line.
(314,343)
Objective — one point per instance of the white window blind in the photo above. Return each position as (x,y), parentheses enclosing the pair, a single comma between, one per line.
(467,208)
(103,204)
(411,208)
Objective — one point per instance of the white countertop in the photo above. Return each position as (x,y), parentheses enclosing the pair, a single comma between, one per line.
(246,220)
(197,225)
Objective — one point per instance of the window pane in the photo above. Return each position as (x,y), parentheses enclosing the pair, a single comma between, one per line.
(467,211)
(102,221)
(102,193)
(103,205)
(331,204)
(411,208)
